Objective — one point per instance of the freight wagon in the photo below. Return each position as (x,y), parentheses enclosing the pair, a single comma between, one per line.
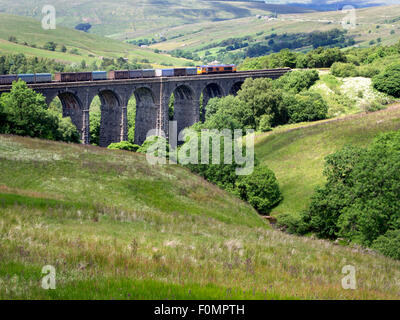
(73,76)
(118,75)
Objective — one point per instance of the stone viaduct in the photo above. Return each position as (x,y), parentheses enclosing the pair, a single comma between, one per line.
(152,101)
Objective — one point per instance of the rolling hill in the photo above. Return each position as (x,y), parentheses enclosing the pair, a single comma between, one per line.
(115,227)
(29,32)
(377,24)
(123,18)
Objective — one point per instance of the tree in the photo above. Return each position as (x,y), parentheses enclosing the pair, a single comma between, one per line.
(262,97)
(51,46)
(228,113)
(360,200)
(344,70)
(260,189)
(305,106)
(388,81)
(26,113)
(297,81)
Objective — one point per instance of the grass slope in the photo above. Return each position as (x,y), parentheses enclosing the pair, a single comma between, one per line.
(371,24)
(296,153)
(91,47)
(122,19)
(115,227)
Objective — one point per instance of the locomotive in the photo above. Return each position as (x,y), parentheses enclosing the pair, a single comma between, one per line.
(116,74)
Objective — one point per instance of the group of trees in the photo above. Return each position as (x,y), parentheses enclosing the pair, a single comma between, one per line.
(275,43)
(360,200)
(19,63)
(25,112)
(264,103)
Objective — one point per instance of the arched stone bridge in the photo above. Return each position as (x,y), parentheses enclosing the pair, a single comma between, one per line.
(152,99)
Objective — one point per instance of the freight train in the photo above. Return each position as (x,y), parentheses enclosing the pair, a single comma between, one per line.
(116,75)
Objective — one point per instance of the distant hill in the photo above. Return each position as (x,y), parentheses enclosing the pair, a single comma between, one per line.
(28,33)
(123,18)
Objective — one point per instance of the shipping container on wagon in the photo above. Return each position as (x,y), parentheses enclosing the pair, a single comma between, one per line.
(42,77)
(180,72)
(118,74)
(99,75)
(133,74)
(148,73)
(191,71)
(27,77)
(7,79)
(83,76)
(164,72)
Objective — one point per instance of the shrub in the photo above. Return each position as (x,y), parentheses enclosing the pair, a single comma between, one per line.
(67,131)
(124,145)
(221,174)
(344,70)
(265,123)
(388,81)
(26,113)
(161,144)
(297,81)
(306,106)
(388,244)
(260,189)
(290,223)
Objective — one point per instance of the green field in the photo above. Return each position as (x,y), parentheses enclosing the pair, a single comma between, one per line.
(127,19)
(115,227)
(371,24)
(90,47)
(297,155)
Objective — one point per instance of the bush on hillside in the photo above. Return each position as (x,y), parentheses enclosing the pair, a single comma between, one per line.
(344,70)
(155,142)
(388,244)
(306,106)
(297,81)
(260,189)
(67,131)
(124,145)
(221,174)
(388,81)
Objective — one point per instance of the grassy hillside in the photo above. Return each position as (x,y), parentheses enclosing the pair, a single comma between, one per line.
(124,18)
(89,46)
(297,155)
(373,24)
(116,228)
